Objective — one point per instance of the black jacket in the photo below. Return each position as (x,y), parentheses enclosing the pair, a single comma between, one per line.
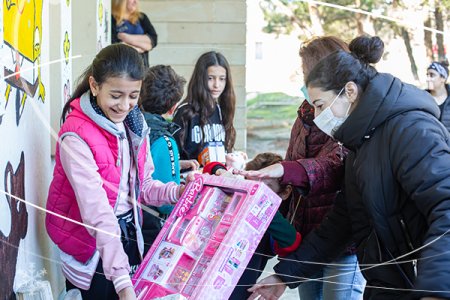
(445,109)
(397,196)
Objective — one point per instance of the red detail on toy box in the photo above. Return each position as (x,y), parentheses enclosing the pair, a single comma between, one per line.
(254,189)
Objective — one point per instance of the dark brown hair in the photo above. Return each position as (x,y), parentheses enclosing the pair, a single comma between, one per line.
(334,71)
(317,48)
(202,104)
(263,160)
(116,60)
(161,90)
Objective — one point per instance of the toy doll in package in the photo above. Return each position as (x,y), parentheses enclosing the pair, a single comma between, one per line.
(208,239)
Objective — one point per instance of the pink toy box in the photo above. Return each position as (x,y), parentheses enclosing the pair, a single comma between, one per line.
(208,239)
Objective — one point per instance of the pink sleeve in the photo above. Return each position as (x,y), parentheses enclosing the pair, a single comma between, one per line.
(96,212)
(154,192)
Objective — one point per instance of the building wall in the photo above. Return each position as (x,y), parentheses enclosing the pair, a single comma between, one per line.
(38,81)
(37,61)
(25,163)
(188,28)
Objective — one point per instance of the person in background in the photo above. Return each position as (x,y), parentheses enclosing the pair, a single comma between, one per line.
(102,172)
(437,75)
(396,201)
(161,90)
(132,27)
(314,166)
(206,114)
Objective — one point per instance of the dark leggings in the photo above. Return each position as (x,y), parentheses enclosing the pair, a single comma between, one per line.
(101,288)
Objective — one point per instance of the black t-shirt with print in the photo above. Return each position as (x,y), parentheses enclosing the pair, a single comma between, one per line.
(195,139)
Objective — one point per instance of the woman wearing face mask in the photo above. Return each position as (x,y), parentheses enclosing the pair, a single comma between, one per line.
(396,204)
(437,74)
(314,164)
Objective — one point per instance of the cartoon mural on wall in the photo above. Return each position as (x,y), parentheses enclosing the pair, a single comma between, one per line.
(22,41)
(14,184)
(66,68)
(2,82)
(103,38)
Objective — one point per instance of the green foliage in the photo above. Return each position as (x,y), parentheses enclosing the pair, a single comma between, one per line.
(278,21)
(273,106)
(337,22)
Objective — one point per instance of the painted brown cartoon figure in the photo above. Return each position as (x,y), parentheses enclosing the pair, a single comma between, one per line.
(9,245)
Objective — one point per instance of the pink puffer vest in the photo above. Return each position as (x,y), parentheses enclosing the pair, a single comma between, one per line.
(72,238)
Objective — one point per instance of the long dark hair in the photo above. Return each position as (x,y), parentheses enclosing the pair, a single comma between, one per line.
(201,102)
(340,67)
(116,60)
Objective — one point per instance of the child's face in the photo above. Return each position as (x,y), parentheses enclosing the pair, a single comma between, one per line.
(217,79)
(117,96)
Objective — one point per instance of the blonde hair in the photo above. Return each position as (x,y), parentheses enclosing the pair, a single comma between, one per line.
(119,9)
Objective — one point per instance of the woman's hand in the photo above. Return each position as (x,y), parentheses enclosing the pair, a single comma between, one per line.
(270,288)
(127,294)
(272,171)
(191,164)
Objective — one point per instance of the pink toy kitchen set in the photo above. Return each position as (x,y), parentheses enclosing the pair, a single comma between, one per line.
(208,239)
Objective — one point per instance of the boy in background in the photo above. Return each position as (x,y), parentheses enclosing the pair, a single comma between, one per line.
(162,88)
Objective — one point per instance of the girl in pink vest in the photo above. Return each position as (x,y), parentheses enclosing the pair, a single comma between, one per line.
(102,173)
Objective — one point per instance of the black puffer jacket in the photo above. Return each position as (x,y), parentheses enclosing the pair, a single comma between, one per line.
(397,196)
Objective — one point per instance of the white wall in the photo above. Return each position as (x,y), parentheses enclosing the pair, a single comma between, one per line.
(24,130)
(26,121)
(278,69)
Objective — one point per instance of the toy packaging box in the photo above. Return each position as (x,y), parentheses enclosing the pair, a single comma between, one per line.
(214,151)
(208,239)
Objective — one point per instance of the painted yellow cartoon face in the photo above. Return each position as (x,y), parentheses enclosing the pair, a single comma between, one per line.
(100,12)
(66,47)
(22,34)
(23,26)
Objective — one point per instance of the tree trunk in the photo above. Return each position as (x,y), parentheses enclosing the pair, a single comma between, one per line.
(407,41)
(428,40)
(439,36)
(315,19)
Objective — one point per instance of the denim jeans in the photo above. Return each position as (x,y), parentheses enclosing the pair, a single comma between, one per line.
(347,282)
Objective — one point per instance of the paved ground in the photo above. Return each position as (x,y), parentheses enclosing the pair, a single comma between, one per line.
(273,136)
(288,294)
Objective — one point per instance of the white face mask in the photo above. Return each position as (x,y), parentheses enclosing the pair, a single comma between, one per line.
(327,121)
